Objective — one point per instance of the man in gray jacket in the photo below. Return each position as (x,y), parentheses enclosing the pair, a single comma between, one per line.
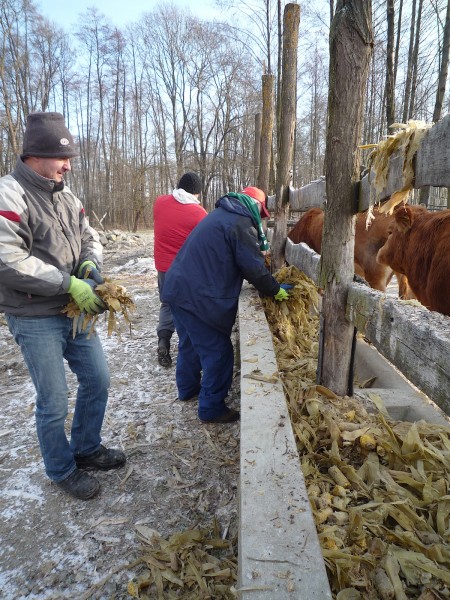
(48,255)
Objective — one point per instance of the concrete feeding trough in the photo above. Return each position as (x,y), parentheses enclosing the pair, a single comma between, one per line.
(279,550)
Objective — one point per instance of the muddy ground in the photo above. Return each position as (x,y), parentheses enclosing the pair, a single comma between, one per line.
(180,473)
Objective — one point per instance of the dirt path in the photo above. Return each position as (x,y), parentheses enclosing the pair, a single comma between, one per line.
(180,473)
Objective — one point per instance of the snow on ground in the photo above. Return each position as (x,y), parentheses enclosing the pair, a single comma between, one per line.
(180,473)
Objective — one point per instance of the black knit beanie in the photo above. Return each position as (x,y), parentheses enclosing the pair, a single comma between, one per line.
(190,183)
(46,136)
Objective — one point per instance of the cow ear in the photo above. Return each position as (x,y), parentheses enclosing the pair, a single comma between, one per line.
(403,218)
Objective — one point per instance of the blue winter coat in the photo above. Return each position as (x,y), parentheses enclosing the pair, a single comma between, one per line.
(207,274)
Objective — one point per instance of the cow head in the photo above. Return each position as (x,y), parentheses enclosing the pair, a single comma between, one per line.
(393,251)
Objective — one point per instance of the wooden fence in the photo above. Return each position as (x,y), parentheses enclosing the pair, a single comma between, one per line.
(415,340)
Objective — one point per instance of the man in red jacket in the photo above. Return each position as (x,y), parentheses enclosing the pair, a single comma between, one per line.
(174,216)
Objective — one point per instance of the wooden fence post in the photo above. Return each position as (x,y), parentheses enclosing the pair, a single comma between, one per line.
(286,132)
(350,49)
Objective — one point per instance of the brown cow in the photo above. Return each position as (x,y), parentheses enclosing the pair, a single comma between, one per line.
(367,243)
(419,247)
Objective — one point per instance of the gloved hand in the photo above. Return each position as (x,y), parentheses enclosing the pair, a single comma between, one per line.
(281,294)
(88,270)
(82,291)
(286,286)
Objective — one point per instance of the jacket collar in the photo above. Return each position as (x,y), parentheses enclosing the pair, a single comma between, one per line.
(24,173)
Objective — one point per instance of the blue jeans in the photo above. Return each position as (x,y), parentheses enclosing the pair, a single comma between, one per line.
(45,342)
(204,364)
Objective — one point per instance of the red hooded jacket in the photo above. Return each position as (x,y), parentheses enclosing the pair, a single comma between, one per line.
(173,222)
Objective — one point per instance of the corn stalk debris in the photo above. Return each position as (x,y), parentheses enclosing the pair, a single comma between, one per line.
(378,488)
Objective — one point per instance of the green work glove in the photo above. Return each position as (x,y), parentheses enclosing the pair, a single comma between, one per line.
(281,294)
(88,270)
(82,291)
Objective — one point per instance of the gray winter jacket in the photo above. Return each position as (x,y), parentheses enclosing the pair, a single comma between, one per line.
(44,237)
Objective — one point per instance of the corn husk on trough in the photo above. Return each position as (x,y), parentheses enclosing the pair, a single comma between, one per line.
(378,488)
(117,301)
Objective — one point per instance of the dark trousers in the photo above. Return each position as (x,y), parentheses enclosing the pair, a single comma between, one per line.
(165,327)
(204,364)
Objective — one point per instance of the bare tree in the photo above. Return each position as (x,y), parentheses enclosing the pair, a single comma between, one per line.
(390,70)
(287,129)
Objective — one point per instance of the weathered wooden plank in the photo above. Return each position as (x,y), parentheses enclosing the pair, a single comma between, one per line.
(303,258)
(393,183)
(433,156)
(432,167)
(414,339)
(313,194)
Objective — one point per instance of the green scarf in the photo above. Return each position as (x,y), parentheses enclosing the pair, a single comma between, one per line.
(253,207)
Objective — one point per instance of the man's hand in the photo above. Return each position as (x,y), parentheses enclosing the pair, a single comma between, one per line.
(88,270)
(82,291)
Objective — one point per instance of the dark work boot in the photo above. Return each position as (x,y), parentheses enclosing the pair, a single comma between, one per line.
(103,459)
(80,485)
(229,416)
(164,358)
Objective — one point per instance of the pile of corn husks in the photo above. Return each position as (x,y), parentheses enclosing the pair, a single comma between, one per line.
(191,565)
(116,299)
(379,489)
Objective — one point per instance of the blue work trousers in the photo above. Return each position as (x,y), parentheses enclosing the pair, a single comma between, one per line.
(204,364)
(45,342)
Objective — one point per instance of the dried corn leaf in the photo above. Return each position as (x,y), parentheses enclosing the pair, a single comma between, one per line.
(183,565)
(406,140)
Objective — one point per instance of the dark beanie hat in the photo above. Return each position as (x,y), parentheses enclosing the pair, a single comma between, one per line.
(46,136)
(190,183)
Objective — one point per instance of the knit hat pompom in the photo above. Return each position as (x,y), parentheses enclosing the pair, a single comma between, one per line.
(190,182)
(46,136)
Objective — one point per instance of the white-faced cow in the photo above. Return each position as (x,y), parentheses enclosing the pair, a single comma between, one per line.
(419,247)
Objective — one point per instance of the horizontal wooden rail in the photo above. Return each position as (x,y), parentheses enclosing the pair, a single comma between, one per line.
(431,167)
(412,338)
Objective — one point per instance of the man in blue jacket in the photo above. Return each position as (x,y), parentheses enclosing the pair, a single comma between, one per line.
(202,288)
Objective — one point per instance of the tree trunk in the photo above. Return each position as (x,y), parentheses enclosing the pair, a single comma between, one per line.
(410,64)
(350,49)
(443,71)
(390,83)
(266,132)
(424,194)
(257,147)
(286,131)
(415,65)
(397,43)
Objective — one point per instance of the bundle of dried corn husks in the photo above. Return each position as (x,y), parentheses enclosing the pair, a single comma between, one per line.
(406,140)
(379,489)
(190,565)
(116,299)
